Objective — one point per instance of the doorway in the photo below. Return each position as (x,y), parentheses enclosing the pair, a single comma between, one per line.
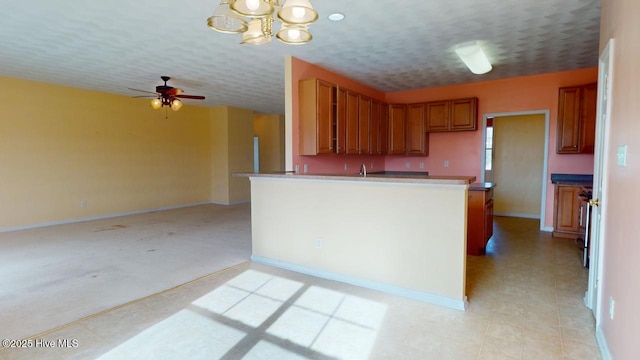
(515,159)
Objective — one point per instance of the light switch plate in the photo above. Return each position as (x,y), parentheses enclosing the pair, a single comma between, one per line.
(622,155)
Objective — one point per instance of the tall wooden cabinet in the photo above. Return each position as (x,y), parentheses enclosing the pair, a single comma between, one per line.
(397,129)
(417,139)
(317,117)
(576,119)
(364,125)
(353,108)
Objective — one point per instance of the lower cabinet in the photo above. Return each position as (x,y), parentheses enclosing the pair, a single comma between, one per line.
(479,220)
(568,212)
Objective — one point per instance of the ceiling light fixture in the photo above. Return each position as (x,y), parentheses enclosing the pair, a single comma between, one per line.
(295,16)
(170,101)
(336,17)
(473,56)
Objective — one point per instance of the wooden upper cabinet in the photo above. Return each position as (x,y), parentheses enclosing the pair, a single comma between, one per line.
(576,119)
(384,129)
(316,117)
(416,135)
(341,121)
(452,115)
(352,122)
(464,114)
(397,129)
(589,101)
(364,125)
(437,114)
(375,127)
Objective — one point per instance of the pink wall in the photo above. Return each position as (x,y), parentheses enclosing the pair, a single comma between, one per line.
(621,243)
(463,150)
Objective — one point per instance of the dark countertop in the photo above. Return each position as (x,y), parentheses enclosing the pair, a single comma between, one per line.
(585,180)
(391,172)
(482,186)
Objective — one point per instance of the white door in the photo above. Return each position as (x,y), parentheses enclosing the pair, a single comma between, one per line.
(592,297)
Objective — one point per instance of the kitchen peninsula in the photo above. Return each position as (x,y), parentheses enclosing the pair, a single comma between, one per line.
(402,234)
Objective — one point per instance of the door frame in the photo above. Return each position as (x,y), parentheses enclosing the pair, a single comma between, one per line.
(545,165)
(593,295)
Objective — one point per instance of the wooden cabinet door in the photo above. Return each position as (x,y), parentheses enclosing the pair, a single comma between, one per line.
(317,130)
(437,116)
(568,120)
(397,129)
(352,122)
(364,125)
(375,127)
(588,101)
(384,129)
(415,130)
(464,114)
(341,121)
(488,217)
(567,209)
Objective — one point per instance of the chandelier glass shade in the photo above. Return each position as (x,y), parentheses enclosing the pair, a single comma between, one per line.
(254,20)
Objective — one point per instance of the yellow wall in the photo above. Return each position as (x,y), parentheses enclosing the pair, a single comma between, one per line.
(519,157)
(60,146)
(231,152)
(270,131)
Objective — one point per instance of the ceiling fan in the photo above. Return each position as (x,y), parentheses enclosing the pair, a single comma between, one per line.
(166,95)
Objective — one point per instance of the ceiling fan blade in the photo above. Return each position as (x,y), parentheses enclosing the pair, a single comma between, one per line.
(174,91)
(145,96)
(150,92)
(195,97)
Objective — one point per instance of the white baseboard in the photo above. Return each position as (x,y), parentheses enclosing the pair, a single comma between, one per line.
(231,203)
(602,344)
(518,215)
(375,285)
(547,228)
(100,217)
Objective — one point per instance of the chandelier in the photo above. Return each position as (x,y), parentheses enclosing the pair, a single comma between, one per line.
(295,15)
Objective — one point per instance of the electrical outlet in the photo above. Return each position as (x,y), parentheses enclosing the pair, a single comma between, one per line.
(306,168)
(83,203)
(622,155)
(612,305)
(421,165)
(371,166)
(297,168)
(318,243)
(446,163)
(407,165)
(346,166)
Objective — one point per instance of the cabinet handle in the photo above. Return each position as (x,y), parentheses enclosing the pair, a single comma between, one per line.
(581,209)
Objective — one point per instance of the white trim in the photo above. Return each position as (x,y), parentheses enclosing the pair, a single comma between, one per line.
(602,344)
(375,285)
(100,217)
(547,229)
(230,203)
(518,215)
(545,165)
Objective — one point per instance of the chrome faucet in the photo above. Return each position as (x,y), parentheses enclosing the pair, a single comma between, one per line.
(363,170)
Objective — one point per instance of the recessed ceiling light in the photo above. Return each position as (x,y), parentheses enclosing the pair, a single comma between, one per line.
(336,16)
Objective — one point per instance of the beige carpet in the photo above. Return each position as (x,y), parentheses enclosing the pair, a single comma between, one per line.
(55,275)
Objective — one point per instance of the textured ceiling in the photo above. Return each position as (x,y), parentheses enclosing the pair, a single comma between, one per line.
(389,45)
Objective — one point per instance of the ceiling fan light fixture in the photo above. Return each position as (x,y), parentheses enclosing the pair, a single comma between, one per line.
(473,56)
(252,8)
(176,104)
(225,20)
(156,103)
(294,34)
(297,12)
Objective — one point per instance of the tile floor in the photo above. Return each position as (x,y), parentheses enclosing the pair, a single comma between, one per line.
(525,303)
